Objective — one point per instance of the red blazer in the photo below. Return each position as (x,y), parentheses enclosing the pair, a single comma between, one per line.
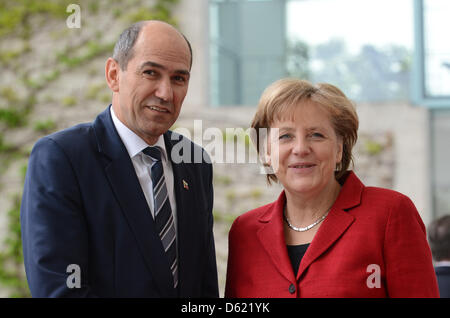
(365,226)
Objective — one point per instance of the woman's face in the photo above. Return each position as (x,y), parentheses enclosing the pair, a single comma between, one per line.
(304,150)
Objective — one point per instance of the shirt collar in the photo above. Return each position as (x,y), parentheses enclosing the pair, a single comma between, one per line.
(133,143)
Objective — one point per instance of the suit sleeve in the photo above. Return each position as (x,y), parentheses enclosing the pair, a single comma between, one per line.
(210,281)
(54,231)
(409,268)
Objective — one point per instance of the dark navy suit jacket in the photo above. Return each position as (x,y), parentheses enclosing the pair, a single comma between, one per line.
(83,204)
(443,278)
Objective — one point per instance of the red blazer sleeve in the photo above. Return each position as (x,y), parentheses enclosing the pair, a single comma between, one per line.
(409,269)
(230,291)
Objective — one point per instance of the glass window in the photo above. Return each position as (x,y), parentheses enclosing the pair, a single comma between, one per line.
(440,123)
(436,48)
(362,46)
(247,49)
(432,71)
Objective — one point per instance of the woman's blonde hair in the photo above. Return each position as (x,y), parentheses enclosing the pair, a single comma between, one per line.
(283,96)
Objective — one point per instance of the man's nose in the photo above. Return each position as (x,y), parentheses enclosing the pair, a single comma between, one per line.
(164,90)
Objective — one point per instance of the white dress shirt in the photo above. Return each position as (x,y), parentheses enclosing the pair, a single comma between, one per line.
(143,163)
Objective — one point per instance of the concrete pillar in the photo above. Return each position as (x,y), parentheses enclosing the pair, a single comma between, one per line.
(193,21)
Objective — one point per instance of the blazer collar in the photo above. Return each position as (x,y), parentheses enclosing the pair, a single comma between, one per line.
(351,192)
(271,234)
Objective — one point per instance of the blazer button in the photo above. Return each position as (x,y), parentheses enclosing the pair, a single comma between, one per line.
(292,288)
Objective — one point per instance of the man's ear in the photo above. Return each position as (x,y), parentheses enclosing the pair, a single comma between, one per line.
(112,70)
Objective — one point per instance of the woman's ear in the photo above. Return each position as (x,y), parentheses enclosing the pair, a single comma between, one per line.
(340,150)
(273,150)
(267,158)
(268,148)
(112,70)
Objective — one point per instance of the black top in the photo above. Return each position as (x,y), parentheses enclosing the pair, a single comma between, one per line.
(296,253)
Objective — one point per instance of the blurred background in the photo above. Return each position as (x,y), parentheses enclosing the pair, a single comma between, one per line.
(392,58)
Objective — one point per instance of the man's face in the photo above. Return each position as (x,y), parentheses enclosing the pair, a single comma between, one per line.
(152,88)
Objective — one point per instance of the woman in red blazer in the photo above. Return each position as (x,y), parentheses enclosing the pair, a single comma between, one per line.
(327,235)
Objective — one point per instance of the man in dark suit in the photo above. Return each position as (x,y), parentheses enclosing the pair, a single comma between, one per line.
(439,239)
(108,209)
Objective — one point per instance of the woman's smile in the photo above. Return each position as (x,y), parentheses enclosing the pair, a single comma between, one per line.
(302,168)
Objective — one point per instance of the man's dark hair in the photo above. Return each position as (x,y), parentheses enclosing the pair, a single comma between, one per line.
(123,50)
(439,238)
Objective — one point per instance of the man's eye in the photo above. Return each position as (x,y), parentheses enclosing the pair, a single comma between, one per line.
(150,72)
(180,79)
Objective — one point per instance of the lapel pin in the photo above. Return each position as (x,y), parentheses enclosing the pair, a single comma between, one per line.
(185,185)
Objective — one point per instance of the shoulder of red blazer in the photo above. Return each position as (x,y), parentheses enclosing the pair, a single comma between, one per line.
(355,194)
(385,201)
(250,222)
(383,205)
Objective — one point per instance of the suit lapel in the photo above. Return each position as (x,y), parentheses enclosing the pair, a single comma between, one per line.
(337,221)
(126,188)
(271,237)
(329,232)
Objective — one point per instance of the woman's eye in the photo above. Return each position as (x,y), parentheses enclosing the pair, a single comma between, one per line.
(285,136)
(316,135)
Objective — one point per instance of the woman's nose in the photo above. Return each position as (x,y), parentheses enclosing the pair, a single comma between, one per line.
(301,147)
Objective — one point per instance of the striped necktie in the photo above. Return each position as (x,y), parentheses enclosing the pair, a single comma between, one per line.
(163,216)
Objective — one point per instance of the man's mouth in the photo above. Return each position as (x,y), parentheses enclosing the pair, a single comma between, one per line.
(158,109)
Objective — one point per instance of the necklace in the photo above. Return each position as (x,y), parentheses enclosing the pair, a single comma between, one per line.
(306,228)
